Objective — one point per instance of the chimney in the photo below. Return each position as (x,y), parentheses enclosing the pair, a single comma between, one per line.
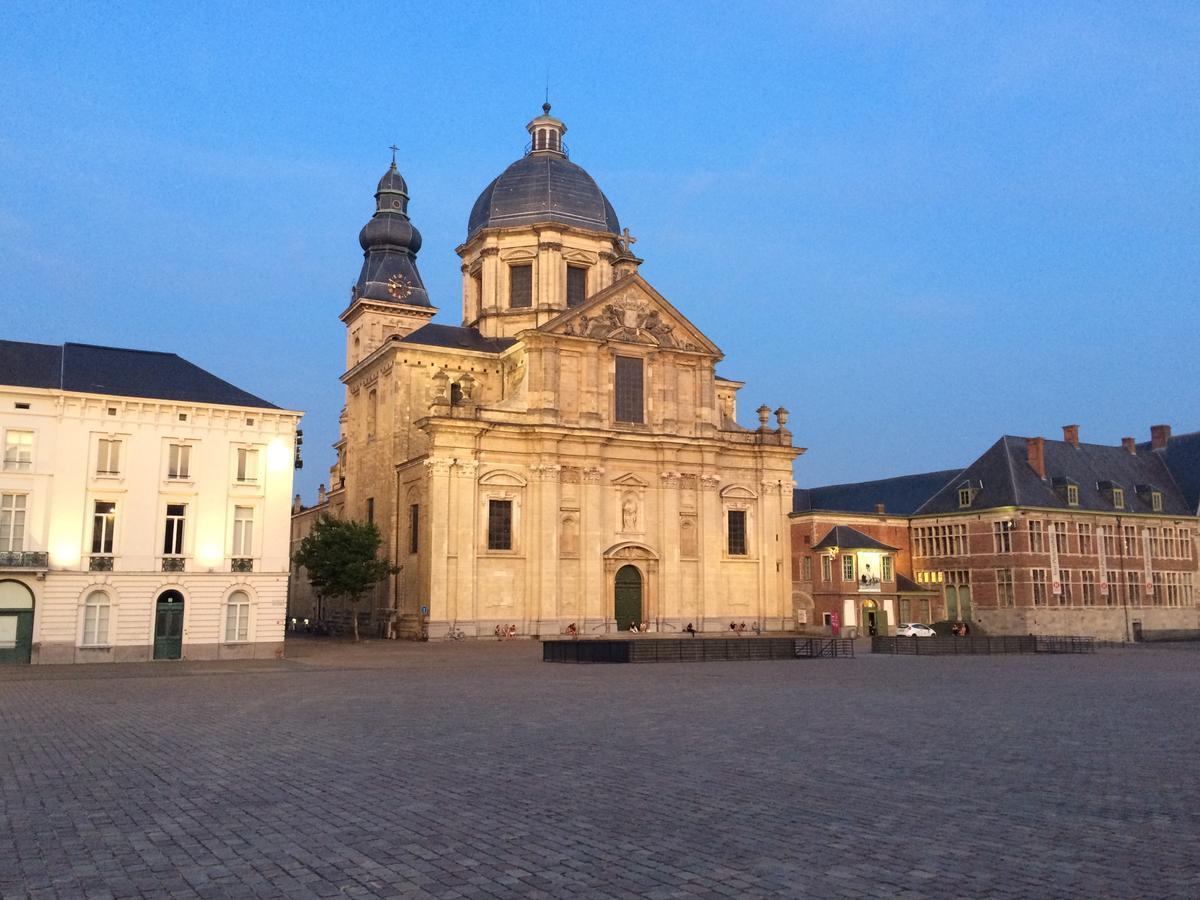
(1159,435)
(879,509)
(320,495)
(1129,445)
(1035,452)
(1071,435)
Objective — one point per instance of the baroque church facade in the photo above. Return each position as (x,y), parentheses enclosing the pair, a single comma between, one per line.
(568,454)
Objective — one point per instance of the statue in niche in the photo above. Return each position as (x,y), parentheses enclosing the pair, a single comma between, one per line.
(629,514)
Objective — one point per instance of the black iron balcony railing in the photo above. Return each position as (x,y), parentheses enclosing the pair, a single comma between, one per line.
(101,564)
(24,559)
(172,564)
(241,565)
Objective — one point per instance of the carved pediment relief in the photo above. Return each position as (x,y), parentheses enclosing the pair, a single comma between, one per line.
(632,312)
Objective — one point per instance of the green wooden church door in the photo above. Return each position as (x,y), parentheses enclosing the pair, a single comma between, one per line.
(628,600)
(168,626)
(16,623)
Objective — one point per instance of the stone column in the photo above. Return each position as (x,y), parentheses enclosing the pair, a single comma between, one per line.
(593,541)
(440,509)
(712,548)
(670,595)
(466,540)
(542,554)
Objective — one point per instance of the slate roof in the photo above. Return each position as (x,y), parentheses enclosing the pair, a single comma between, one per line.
(1181,456)
(118,372)
(900,496)
(457,338)
(1007,479)
(543,188)
(848,538)
(905,585)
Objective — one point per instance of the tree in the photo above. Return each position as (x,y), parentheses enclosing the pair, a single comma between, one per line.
(342,560)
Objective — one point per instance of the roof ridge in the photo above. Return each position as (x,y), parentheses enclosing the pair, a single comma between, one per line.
(125,350)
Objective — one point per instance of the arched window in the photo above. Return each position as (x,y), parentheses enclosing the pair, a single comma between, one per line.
(237,617)
(95,619)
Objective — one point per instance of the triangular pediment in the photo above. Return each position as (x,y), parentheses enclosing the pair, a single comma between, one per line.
(631,311)
(630,480)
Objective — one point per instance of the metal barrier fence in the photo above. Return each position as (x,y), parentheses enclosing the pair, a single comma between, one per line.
(982,646)
(1167,634)
(646,650)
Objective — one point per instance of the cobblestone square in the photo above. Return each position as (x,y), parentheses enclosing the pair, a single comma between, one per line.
(461,770)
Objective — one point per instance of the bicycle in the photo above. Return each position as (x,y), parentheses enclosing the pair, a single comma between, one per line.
(456,634)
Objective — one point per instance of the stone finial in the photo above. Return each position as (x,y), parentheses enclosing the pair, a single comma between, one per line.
(466,384)
(320,494)
(439,392)
(764,413)
(297,505)
(781,416)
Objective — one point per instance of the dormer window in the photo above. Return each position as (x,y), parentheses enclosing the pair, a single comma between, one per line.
(1072,495)
(1067,489)
(1156,501)
(967,491)
(1149,493)
(1115,493)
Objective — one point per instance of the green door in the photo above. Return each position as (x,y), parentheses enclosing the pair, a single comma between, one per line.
(16,623)
(628,605)
(964,603)
(168,626)
(951,604)
(881,625)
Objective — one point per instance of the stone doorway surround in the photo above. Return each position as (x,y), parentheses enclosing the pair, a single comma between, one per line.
(645,560)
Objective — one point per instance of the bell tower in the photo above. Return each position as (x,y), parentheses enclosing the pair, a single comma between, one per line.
(389,297)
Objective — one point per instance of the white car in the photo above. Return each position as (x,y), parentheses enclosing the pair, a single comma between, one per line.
(914,629)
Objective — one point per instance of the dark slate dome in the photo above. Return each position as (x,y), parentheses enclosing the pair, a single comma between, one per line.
(544,186)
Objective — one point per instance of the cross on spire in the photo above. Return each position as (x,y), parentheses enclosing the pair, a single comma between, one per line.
(394,150)
(628,240)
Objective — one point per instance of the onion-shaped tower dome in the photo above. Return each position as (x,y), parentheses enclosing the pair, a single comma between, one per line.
(390,244)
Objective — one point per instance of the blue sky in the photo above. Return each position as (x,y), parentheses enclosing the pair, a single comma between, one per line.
(916,225)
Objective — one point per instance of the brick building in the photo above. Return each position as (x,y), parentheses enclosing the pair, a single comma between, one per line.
(1036,535)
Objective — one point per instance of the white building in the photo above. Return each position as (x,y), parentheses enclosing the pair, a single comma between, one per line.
(144,509)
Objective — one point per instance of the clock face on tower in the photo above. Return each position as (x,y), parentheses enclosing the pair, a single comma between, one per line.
(399,286)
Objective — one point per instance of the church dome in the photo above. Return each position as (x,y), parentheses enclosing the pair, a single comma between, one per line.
(544,186)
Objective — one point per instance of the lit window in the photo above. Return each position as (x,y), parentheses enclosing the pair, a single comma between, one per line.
(95,619)
(237,617)
(247,464)
(737,532)
(629,390)
(104,523)
(173,533)
(576,285)
(243,531)
(12,522)
(108,457)
(179,459)
(18,451)
(520,286)
(499,534)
